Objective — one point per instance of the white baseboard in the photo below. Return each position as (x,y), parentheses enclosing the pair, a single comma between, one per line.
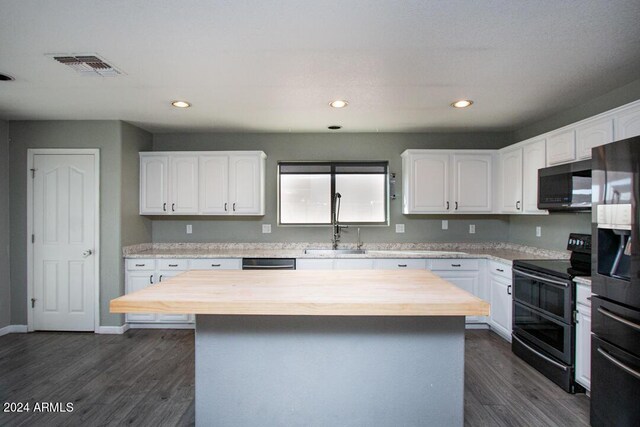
(161,326)
(13,329)
(476,326)
(112,330)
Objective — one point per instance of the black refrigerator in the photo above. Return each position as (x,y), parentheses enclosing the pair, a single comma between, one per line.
(615,276)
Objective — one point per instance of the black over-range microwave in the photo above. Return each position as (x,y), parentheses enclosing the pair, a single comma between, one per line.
(565,187)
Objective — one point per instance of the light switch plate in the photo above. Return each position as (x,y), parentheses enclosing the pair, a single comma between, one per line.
(538,231)
(399,228)
(266,228)
(445,224)
(472,229)
(189,229)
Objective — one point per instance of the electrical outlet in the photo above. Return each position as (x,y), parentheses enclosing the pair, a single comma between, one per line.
(189,229)
(266,228)
(445,224)
(472,229)
(538,231)
(399,228)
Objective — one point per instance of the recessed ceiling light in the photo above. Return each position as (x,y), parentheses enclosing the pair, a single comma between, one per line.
(463,103)
(334,127)
(339,103)
(181,104)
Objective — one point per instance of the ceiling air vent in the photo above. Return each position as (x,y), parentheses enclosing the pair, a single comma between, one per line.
(88,64)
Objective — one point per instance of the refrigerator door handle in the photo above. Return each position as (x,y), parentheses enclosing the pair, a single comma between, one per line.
(619,364)
(618,318)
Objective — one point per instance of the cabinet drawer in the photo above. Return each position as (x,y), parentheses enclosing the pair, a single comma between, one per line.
(172,264)
(455,264)
(216,264)
(500,269)
(353,264)
(141,264)
(583,292)
(314,264)
(400,264)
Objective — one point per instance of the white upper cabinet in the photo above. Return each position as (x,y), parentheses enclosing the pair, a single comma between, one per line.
(246,184)
(472,182)
(533,158)
(425,177)
(593,134)
(183,176)
(439,181)
(627,122)
(154,188)
(561,147)
(214,184)
(202,183)
(511,168)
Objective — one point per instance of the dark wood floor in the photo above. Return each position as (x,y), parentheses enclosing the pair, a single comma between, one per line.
(146,377)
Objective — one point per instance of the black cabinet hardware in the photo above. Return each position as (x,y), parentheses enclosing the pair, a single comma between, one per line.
(456,265)
(215,265)
(509,290)
(164,207)
(173,265)
(402,265)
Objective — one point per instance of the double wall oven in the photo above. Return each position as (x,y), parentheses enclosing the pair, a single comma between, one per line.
(544,312)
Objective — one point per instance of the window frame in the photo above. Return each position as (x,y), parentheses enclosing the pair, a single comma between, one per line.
(332,173)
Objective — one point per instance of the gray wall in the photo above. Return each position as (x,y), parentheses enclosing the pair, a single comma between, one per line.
(5,278)
(610,100)
(555,229)
(374,146)
(104,135)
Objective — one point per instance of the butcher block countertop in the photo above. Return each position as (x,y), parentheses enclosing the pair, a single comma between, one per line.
(304,292)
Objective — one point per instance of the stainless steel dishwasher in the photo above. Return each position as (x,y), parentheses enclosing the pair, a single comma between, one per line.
(268,263)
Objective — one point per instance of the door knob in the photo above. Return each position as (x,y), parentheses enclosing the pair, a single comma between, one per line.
(87,253)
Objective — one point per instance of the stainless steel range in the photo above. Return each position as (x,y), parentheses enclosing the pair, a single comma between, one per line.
(544,311)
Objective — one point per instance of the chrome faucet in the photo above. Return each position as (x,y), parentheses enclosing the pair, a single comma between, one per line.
(335,222)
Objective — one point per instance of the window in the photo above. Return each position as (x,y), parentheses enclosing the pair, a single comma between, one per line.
(307,192)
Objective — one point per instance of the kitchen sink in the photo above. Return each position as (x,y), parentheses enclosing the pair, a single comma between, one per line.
(335,251)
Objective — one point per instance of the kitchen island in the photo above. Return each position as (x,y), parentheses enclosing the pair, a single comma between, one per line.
(321,347)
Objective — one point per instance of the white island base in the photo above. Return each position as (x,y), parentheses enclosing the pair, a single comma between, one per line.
(289,370)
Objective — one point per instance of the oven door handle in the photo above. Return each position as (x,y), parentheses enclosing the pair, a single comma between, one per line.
(553,362)
(619,364)
(542,279)
(618,318)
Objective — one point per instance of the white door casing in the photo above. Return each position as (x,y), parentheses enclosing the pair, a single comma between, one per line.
(63,230)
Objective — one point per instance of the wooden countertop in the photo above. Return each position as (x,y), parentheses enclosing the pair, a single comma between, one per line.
(304,292)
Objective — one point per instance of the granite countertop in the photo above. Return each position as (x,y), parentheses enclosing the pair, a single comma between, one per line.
(498,251)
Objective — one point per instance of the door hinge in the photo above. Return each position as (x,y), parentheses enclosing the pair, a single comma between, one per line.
(33,238)
(33,173)
(33,303)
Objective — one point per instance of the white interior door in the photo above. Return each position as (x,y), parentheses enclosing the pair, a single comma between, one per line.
(63,242)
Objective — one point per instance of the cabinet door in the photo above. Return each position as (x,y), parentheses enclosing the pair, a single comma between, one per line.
(314,264)
(353,264)
(154,184)
(184,184)
(627,123)
(511,197)
(583,346)
(469,281)
(472,182)
(426,183)
(593,134)
(136,281)
(501,309)
(533,158)
(170,317)
(561,147)
(214,185)
(246,176)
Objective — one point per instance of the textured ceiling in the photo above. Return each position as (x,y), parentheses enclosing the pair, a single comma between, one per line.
(273,66)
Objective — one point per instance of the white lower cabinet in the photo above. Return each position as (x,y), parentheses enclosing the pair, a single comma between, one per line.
(141,273)
(465,274)
(583,336)
(500,290)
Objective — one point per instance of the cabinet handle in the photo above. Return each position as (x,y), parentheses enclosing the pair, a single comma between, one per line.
(509,290)
(456,265)
(140,265)
(500,270)
(225,206)
(164,207)
(447,205)
(518,205)
(402,265)
(173,207)
(151,279)
(456,205)
(160,279)
(234,207)
(173,265)
(215,265)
